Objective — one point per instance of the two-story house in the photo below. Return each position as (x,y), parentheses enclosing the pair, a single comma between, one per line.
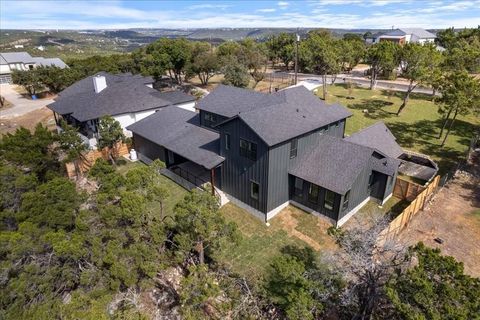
(268,150)
(127,98)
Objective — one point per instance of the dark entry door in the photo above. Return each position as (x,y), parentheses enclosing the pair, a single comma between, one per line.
(377,185)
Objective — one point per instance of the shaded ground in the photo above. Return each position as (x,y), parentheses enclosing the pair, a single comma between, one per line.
(454,217)
(28,120)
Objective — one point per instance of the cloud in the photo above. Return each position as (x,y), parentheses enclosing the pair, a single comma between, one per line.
(266,10)
(209,6)
(312,14)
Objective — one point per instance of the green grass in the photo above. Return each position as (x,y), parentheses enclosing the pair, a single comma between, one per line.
(259,244)
(416,128)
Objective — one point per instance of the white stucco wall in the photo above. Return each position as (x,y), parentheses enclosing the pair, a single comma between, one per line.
(190,106)
(4,68)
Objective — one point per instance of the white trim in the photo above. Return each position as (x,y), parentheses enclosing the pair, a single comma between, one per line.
(258,214)
(386,199)
(310,210)
(352,212)
(272,213)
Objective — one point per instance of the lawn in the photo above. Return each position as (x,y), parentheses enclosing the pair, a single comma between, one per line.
(261,243)
(416,128)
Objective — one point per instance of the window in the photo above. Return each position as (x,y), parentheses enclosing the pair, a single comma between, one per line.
(293,148)
(329,200)
(227,141)
(337,124)
(210,119)
(254,190)
(313,193)
(346,199)
(248,149)
(298,187)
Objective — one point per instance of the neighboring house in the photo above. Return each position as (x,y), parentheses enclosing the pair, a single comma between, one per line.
(127,98)
(309,84)
(407,35)
(10,61)
(265,151)
(374,38)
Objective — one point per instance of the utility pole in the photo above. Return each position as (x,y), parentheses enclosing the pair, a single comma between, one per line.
(297,40)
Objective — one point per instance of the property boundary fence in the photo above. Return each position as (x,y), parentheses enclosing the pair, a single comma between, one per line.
(403,219)
(407,190)
(89,158)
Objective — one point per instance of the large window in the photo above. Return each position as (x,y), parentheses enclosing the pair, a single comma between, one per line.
(254,190)
(293,148)
(346,199)
(329,200)
(298,189)
(227,141)
(248,149)
(209,119)
(313,193)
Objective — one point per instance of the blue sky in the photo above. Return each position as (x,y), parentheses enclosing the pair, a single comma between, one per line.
(113,14)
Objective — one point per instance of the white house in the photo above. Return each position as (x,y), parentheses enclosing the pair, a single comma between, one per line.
(407,35)
(10,61)
(127,98)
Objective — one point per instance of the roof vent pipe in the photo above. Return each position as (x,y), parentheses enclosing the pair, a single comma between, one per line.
(99,83)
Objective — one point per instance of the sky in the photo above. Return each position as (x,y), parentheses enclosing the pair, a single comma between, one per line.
(348,14)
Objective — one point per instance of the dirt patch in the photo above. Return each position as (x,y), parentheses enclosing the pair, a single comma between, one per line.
(289,224)
(451,217)
(306,227)
(28,120)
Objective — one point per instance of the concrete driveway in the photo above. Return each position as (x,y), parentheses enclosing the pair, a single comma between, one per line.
(20,105)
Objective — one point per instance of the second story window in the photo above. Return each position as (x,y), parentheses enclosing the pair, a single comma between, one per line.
(210,119)
(248,149)
(227,141)
(293,148)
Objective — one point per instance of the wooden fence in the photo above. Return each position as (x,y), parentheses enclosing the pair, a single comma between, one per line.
(402,220)
(407,190)
(90,157)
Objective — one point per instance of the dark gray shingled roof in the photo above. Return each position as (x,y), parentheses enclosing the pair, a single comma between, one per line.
(124,93)
(229,101)
(274,117)
(335,164)
(179,130)
(379,137)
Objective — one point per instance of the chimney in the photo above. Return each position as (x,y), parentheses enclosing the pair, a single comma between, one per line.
(99,83)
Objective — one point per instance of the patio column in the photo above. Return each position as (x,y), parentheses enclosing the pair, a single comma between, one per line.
(212,180)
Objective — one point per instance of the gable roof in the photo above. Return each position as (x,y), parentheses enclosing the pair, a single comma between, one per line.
(418,32)
(15,57)
(125,93)
(274,117)
(47,62)
(377,136)
(179,130)
(335,164)
(229,101)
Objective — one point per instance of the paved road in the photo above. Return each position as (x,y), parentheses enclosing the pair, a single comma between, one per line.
(20,105)
(397,86)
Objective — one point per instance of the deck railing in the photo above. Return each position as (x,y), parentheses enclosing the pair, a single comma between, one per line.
(199,182)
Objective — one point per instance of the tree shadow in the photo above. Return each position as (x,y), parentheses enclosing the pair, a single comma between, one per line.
(401,95)
(374,108)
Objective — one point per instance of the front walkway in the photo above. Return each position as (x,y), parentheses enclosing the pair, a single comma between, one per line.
(20,105)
